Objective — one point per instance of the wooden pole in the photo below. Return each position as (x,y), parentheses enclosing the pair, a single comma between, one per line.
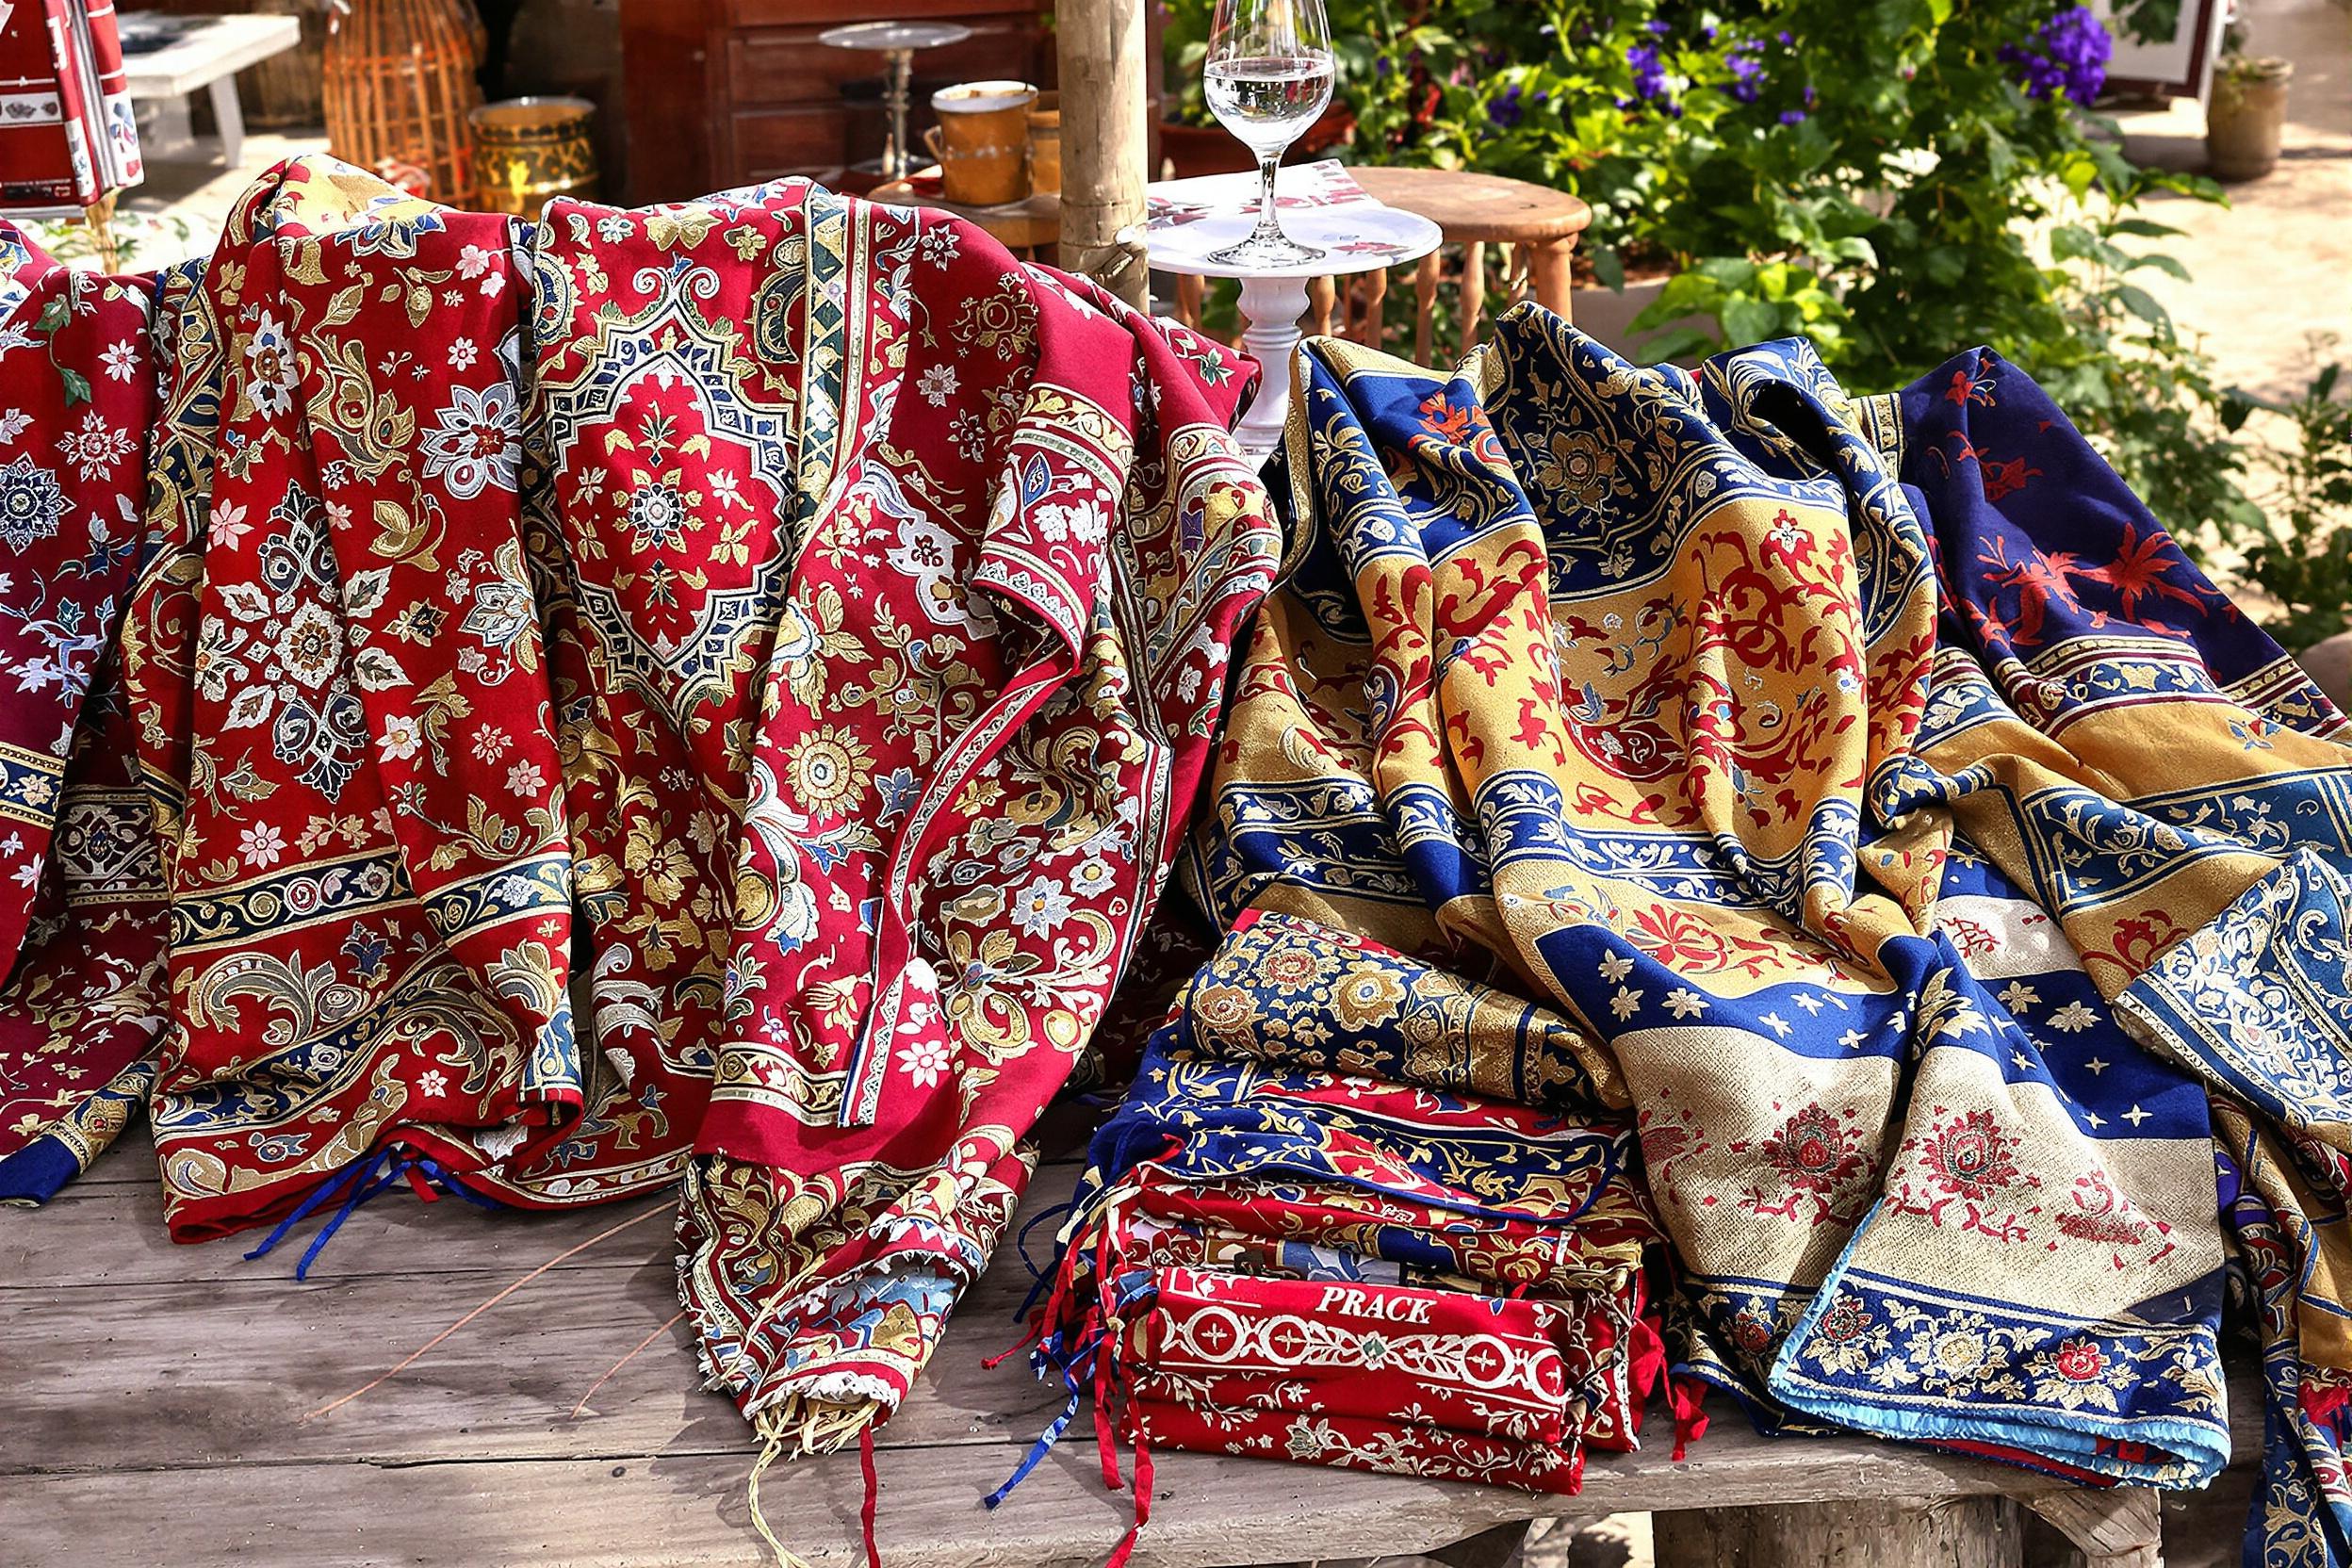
(1104,132)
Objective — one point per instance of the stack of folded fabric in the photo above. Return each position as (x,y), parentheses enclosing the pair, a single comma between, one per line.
(1360,1212)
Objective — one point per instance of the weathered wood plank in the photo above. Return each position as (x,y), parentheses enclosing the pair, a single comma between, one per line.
(113,1236)
(1947,1532)
(226,1367)
(691,1511)
(151,1396)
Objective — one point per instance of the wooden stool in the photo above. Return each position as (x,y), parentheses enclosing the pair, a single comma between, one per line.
(1539,226)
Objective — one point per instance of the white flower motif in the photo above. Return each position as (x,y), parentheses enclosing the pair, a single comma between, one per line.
(2017,996)
(228,528)
(433,1083)
(1091,878)
(1041,905)
(525,779)
(403,738)
(261,845)
(120,360)
(97,448)
(462,355)
(937,384)
(476,442)
(924,1060)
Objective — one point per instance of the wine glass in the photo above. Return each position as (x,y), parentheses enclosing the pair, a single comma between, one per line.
(1269,77)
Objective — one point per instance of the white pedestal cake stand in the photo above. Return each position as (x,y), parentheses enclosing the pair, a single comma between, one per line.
(1354,236)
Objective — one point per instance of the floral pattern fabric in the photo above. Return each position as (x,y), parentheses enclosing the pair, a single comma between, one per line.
(1020,542)
(711,690)
(1878,790)
(80,927)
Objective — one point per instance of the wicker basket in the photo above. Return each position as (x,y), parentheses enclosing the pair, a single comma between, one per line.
(399,83)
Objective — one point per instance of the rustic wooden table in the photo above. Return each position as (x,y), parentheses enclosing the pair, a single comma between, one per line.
(159,1405)
(200,52)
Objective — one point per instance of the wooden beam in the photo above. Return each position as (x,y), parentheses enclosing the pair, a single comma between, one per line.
(1105,134)
(1946,1532)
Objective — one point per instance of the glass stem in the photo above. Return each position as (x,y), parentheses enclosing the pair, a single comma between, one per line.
(1269,227)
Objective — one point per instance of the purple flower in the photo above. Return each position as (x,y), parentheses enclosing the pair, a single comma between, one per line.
(1655,29)
(1787,38)
(1649,72)
(1505,111)
(1747,76)
(2067,57)
(1792,117)
(1382,66)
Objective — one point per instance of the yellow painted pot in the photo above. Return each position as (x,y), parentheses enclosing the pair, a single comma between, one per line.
(529,151)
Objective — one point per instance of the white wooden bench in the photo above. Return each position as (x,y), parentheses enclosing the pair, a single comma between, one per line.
(155,1410)
(193,52)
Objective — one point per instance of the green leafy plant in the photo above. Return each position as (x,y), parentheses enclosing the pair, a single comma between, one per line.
(2300,556)
(1894,179)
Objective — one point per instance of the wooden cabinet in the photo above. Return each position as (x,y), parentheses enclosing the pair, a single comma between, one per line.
(725,92)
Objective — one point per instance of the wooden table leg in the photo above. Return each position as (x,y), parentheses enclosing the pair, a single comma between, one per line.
(1473,292)
(228,118)
(1188,300)
(1322,294)
(1549,275)
(2118,1528)
(1963,1533)
(1425,297)
(1372,331)
(99,216)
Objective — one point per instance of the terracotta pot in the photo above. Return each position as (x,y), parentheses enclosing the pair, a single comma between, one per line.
(1191,150)
(2247,117)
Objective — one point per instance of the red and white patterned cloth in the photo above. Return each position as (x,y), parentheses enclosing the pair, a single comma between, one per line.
(68,134)
(711,688)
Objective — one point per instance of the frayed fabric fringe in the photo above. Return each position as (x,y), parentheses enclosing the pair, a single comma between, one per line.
(795,1428)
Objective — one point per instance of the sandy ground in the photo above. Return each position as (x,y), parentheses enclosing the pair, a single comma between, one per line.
(2275,265)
